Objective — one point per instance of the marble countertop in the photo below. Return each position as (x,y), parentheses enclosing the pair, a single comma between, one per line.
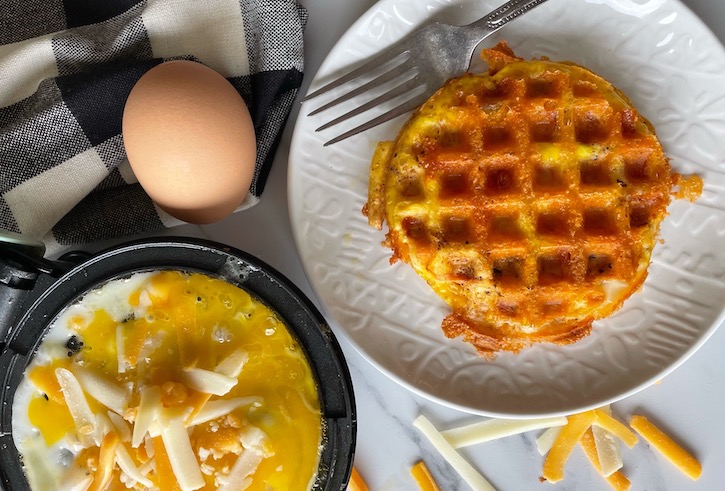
(687,404)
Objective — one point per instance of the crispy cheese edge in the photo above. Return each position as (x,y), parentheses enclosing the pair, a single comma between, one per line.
(375,206)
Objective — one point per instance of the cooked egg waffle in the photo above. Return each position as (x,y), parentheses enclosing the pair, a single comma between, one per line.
(529,198)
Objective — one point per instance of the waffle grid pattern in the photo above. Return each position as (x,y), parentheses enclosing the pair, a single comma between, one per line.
(530,190)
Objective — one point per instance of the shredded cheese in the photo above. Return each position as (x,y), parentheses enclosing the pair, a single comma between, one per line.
(617,479)
(423,477)
(146,415)
(613,426)
(106,461)
(121,426)
(565,443)
(608,448)
(245,465)
(493,429)
(546,439)
(208,382)
(179,450)
(75,399)
(120,349)
(166,480)
(104,391)
(667,447)
(608,451)
(232,365)
(221,407)
(466,470)
(127,465)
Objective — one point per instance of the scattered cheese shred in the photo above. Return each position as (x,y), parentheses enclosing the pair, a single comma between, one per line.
(423,477)
(357,483)
(238,478)
(121,426)
(179,450)
(608,451)
(104,391)
(608,448)
(127,465)
(466,470)
(613,426)
(546,439)
(75,399)
(493,429)
(146,414)
(106,461)
(166,480)
(617,479)
(221,407)
(196,401)
(565,443)
(667,447)
(232,365)
(120,349)
(208,382)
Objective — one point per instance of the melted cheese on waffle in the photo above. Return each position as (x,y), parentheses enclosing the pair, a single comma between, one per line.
(529,198)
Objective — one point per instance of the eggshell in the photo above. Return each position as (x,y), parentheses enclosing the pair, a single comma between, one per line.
(190,141)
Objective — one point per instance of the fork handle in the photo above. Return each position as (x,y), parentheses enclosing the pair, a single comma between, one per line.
(501,16)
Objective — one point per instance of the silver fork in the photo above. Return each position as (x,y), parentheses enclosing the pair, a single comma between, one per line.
(419,63)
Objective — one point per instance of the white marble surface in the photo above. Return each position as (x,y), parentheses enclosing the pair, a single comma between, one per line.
(688,403)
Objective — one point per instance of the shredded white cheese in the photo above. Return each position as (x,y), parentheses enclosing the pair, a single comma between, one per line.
(75,399)
(147,409)
(493,429)
(120,349)
(232,365)
(546,439)
(127,465)
(221,407)
(178,447)
(238,478)
(121,426)
(208,382)
(107,393)
(608,448)
(461,465)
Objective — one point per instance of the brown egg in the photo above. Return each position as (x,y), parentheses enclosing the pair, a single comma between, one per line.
(190,141)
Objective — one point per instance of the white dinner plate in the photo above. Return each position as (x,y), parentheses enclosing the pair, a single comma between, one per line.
(672,67)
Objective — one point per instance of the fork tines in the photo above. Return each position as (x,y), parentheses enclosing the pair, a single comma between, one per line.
(400,76)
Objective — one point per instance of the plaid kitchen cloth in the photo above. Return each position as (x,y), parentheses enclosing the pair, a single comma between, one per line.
(66,69)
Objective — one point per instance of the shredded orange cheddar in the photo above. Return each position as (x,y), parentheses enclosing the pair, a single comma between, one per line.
(196,400)
(565,442)
(617,480)
(423,477)
(356,482)
(106,462)
(667,447)
(165,475)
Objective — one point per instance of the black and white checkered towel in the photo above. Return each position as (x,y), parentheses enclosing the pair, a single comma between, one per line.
(66,69)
